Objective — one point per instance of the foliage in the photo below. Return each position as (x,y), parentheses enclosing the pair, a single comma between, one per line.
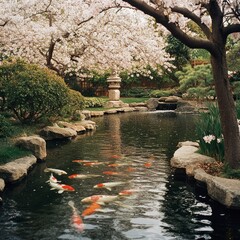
(162,93)
(230,173)
(31,92)
(233,55)
(75,102)
(196,81)
(178,51)
(137,92)
(6,128)
(209,133)
(94,102)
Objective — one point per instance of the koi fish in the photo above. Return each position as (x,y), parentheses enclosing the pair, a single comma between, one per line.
(81,161)
(76,219)
(91,164)
(109,185)
(130,169)
(91,209)
(113,173)
(52,179)
(117,164)
(127,192)
(100,199)
(148,164)
(54,170)
(83,176)
(115,156)
(61,187)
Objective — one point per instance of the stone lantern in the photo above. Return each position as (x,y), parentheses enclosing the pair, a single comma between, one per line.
(113,88)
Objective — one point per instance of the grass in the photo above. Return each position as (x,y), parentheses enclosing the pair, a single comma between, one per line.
(133,100)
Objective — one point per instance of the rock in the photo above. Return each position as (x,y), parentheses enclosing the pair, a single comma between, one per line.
(111,111)
(78,127)
(140,104)
(152,103)
(184,106)
(35,144)
(88,124)
(87,114)
(15,170)
(2,184)
(115,104)
(171,99)
(187,155)
(223,190)
(128,109)
(162,99)
(97,113)
(188,143)
(55,132)
(78,115)
(141,109)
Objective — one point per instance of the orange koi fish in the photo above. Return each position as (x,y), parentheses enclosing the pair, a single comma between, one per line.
(115,156)
(91,209)
(81,161)
(117,164)
(100,199)
(113,173)
(76,219)
(91,164)
(148,164)
(130,169)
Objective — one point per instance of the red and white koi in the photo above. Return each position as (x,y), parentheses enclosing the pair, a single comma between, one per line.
(117,164)
(54,170)
(52,179)
(81,161)
(83,176)
(109,185)
(100,199)
(91,164)
(76,219)
(61,187)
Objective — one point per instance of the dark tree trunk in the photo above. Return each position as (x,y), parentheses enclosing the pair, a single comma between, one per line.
(227,110)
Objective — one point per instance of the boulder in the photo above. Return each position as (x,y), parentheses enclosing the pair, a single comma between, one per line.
(2,184)
(140,104)
(111,111)
(171,99)
(162,99)
(223,190)
(187,155)
(56,132)
(141,109)
(97,113)
(88,124)
(188,143)
(152,103)
(128,109)
(16,170)
(87,114)
(35,144)
(78,127)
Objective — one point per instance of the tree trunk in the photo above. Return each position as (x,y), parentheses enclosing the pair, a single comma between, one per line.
(226,105)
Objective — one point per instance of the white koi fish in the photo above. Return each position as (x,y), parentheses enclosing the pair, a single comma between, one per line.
(61,187)
(54,170)
(76,219)
(100,199)
(83,176)
(52,179)
(109,185)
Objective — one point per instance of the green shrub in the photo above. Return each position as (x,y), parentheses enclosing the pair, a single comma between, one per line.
(135,92)
(162,93)
(209,133)
(6,128)
(32,92)
(75,102)
(92,102)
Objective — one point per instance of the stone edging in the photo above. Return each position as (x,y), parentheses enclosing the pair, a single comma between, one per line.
(223,190)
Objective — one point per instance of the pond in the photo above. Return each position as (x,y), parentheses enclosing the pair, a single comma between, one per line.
(134,150)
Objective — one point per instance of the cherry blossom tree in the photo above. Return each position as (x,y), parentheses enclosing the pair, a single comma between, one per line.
(76,34)
(217,19)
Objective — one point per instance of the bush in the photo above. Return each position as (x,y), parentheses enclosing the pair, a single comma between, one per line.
(135,92)
(6,128)
(75,102)
(32,92)
(209,133)
(162,93)
(94,102)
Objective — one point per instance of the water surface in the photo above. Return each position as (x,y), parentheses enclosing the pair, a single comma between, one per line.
(163,206)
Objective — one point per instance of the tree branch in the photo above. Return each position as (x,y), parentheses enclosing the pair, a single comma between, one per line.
(231,29)
(172,27)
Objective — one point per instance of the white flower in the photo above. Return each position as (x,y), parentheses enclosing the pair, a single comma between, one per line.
(209,138)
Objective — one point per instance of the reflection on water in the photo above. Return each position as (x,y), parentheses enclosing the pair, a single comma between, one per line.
(139,145)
